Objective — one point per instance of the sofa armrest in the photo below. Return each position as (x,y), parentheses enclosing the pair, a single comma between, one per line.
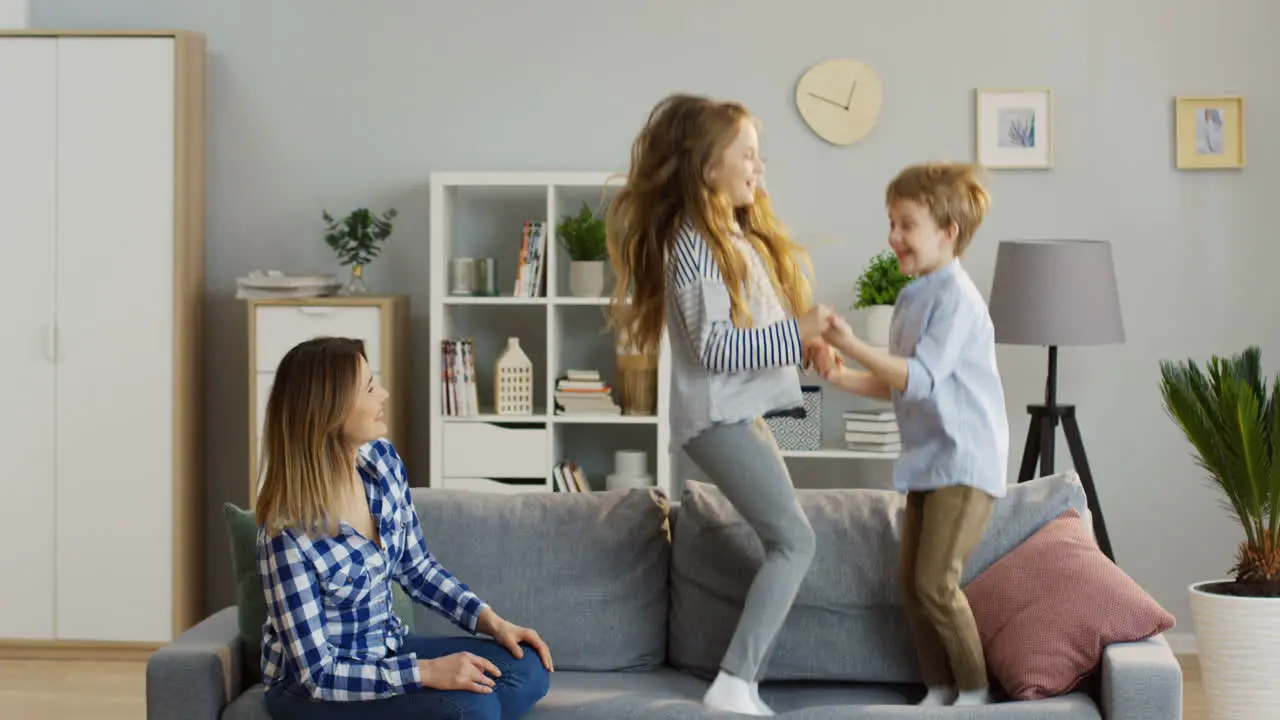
(1141,681)
(198,674)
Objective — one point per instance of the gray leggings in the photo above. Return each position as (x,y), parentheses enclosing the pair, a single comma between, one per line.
(742,459)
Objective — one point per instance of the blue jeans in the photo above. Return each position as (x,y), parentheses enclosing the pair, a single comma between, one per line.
(523,683)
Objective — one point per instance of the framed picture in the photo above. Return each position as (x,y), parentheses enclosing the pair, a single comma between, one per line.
(1209,132)
(1014,128)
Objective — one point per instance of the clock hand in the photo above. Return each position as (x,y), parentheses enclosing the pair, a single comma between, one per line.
(850,100)
(833,102)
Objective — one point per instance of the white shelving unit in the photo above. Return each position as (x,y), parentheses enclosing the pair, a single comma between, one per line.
(480,215)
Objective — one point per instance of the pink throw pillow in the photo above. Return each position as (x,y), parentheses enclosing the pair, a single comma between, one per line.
(1048,609)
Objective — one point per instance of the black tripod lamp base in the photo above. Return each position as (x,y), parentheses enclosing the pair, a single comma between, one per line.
(1041,438)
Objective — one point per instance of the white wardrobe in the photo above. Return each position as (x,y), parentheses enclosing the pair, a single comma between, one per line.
(101,288)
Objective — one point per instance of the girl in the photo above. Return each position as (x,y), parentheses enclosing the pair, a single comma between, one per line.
(941,374)
(337,527)
(698,251)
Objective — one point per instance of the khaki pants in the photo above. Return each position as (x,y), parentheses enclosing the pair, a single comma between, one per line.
(941,529)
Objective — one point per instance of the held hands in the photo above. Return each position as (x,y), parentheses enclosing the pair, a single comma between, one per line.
(838,333)
(823,358)
(814,323)
(459,671)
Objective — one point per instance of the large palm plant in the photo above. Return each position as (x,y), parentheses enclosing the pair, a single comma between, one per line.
(1231,419)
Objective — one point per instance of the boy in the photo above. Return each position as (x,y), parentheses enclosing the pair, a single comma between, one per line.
(941,375)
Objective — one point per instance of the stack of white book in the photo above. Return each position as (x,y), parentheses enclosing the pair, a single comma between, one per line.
(872,431)
(582,392)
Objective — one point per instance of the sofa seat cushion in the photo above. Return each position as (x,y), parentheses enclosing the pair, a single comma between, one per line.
(251,705)
(588,571)
(667,694)
(847,622)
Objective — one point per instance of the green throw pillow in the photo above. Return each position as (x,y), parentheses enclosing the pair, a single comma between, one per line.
(252,606)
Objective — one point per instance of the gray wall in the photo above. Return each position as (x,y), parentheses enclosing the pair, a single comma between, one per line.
(333,103)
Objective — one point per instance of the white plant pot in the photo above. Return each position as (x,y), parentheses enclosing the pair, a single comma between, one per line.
(1238,639)
(878,319)
(586,278)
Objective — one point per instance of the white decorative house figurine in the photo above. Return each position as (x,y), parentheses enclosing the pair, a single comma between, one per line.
(513,381)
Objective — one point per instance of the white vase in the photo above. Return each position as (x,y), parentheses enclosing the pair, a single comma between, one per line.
(1238,639)
(586,278)
(878,320)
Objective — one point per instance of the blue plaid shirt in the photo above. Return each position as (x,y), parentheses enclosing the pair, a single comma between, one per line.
(331,628)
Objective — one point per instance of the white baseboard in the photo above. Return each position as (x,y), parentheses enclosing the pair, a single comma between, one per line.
(1182,643)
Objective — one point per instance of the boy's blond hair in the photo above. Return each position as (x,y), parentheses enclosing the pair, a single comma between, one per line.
(950,192)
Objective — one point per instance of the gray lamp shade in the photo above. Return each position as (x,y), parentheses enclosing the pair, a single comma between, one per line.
(1055,292)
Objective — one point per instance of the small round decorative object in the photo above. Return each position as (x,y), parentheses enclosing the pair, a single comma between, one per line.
(840,100)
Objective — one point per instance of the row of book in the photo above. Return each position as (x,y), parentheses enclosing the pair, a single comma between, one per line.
(531,272)
(458,377)
(568,477)
(872,431)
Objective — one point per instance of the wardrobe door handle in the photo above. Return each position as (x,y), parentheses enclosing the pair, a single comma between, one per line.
(312,310)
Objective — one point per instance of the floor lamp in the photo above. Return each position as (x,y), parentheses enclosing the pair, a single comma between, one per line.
(1057,293)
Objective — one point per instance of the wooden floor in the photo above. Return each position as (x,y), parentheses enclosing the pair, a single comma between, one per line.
(67,690)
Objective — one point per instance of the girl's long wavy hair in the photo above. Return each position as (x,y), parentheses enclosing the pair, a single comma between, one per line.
(307,460)
(684,138)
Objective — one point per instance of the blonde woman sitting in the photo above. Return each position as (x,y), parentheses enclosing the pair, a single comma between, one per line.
(336,529)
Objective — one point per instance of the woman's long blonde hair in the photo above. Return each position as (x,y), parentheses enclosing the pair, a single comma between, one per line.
(306,462)
(683,138)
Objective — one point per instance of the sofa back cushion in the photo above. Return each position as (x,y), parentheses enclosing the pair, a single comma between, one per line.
(847,623)
(589,572)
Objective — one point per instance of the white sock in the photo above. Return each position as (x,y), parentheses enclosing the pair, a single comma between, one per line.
(755,698)
(731,693)
(972,698)
(938,696)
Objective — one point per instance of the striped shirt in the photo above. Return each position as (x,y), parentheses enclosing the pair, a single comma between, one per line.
(721,373)
(951,414)
(331,628)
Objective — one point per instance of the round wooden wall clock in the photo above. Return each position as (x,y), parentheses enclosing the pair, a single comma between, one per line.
(839,100)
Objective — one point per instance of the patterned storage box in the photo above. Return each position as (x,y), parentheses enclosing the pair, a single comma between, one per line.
(801,433)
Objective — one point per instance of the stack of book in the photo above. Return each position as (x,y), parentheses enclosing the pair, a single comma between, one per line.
(873,431)
(582,392)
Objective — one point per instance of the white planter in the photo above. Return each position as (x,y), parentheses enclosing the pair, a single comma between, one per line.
(878,319)
(586,278)
(1238,639)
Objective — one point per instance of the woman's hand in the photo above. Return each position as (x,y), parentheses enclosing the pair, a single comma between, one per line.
(510,635)
(459,671)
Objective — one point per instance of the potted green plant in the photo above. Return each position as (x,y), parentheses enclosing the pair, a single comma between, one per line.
(1232,421)
(582,236)
(876,290)
(356,239)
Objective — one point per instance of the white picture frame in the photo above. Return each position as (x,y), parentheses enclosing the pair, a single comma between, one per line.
(1014,128)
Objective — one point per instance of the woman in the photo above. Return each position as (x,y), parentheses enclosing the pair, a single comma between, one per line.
(336,528)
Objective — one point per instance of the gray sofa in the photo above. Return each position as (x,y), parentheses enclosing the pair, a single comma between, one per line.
(637,601)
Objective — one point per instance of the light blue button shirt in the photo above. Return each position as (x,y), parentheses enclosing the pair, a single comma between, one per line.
(951,415)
